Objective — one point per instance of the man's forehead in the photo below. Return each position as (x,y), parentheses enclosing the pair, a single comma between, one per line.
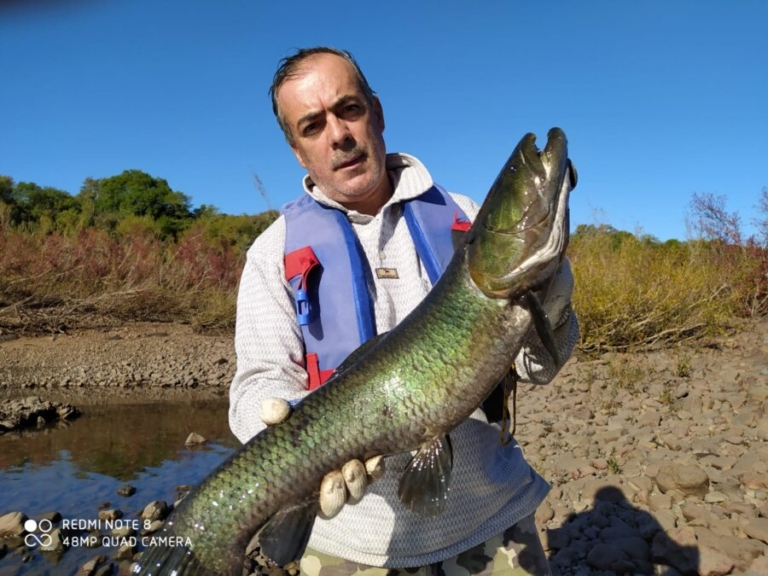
(323,68)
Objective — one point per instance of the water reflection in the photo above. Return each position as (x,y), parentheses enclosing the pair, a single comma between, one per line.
(75,469)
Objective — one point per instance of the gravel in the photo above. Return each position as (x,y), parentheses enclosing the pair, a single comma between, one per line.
(658,460)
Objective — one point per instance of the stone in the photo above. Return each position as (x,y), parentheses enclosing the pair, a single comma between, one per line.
(690,480)
(757,529)
(759,566)
(194,439)
(89,568)
(126,490)
(12,524)
(153,527)
(544,514)
(678,549)
(110,515)
(605,557)
(634,547)
(715,497)
(713,562)
(125,552)
(33,412)
(658,502)
(754,480)
(155,510)
(107,569)
(123,532)
(650,419)
(557,539)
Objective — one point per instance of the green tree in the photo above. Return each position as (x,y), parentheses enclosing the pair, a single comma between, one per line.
(136,193)
(33,204)
(6,189)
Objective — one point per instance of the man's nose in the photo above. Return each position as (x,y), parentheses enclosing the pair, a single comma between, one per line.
(339,132)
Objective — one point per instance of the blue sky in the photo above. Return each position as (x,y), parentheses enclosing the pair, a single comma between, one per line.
(659,98)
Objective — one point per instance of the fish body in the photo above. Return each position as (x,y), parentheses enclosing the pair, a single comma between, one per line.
(402,392)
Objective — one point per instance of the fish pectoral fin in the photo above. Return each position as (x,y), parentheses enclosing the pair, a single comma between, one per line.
(426,480)
(284,537)
(543,327)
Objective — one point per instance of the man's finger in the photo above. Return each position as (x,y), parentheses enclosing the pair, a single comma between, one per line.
(274,410)
(356,479)
(375,468)
(333,494)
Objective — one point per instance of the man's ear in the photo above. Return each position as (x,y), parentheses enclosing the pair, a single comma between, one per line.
(378,112)
(298,154)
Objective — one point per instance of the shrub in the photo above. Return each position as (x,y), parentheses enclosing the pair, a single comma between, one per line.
(637,293)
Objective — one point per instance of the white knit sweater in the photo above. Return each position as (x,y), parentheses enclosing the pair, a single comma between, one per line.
(492,486)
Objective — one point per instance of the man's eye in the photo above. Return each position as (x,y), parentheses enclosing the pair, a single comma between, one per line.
(353,110)
(309,129)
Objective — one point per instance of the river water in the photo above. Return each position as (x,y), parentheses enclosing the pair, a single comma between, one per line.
(76,470)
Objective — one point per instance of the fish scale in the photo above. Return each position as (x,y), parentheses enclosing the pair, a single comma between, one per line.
(409,388)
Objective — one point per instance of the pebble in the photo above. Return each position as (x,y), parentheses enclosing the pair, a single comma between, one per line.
(194,439)
(684,476)
(155,510)
(12,524)
(33,412)
(643,481)
(126,490)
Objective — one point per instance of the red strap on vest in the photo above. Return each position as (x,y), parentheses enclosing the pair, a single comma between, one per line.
(300,262)
(460,225)
(317,377)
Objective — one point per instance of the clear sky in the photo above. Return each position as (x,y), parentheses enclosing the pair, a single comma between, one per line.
(659,98)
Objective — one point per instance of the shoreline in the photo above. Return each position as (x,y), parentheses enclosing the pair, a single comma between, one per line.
(655,458)
(129,364)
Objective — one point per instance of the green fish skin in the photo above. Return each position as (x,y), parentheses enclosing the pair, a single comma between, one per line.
(404,391)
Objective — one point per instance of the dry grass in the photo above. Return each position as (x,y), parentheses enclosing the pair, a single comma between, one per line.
(51,282)
(629,293)
(632,293)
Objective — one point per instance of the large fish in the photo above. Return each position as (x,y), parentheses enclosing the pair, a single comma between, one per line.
(403,391)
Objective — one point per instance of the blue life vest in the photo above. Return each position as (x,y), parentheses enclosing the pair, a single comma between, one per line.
(329,272)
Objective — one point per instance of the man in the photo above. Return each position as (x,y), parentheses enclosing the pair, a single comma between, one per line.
(355,199)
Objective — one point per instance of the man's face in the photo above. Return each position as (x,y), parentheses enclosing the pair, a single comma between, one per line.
(337,134)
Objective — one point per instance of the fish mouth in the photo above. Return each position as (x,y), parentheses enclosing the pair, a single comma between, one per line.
(521,232)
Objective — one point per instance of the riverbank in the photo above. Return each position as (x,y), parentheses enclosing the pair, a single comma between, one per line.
(132,363)
(658,460)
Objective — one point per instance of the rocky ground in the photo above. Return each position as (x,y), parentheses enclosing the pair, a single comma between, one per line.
(658,460)
(134,362)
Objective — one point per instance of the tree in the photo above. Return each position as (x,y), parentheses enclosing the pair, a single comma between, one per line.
(762,222)
(6,189)
(136,193)
(712,221)
(32,204)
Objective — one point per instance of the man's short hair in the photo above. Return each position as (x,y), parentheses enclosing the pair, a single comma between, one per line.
(289,68)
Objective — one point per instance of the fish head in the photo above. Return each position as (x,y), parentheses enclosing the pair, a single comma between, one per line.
(521,232)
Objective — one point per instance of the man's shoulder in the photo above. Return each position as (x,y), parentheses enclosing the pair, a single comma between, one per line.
(469,206)
(271,242)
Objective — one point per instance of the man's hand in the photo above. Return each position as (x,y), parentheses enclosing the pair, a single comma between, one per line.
(534,363)
(339,487)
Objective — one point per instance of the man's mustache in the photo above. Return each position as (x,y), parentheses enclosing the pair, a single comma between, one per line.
(348,156)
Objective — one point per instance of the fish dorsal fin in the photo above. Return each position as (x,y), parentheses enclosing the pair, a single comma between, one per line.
(285,535)
(426,480)
(543,327)
(358,352)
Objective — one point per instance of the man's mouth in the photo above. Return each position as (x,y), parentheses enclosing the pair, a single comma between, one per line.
(354,161)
